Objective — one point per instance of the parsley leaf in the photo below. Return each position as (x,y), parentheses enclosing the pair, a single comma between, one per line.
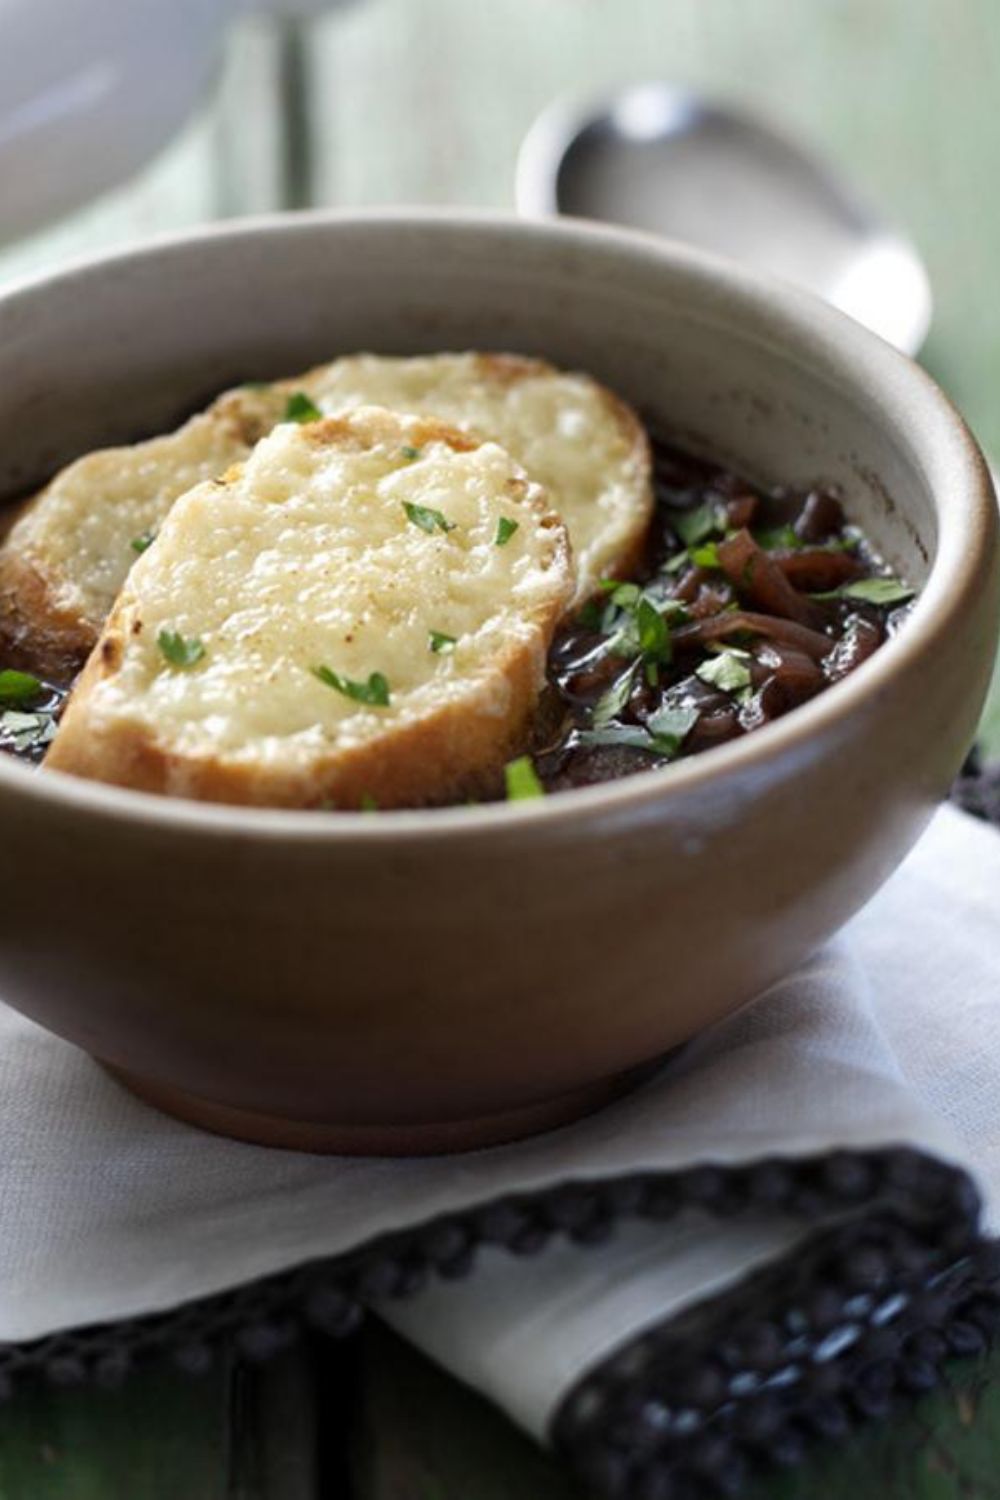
(629,736)
(302,408)
(375,691)
(26,731)
(522,780)
(178,651)
(610,704)
(409,452)
(18,687)
(427,519)
(706,556)
(879,590)
(505,530)
(670,726)
(645,632)
(727,671)
(662,735)
(677,562)
(777,538)
(140,544)
(368,803)
(695,526)
(440,642)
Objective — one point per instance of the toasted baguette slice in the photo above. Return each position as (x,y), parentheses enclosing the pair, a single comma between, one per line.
(69,554)
(70,550)
(360,610)
(580,442)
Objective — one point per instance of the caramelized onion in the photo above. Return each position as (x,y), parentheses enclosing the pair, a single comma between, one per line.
(757,576)
(818,570)
(733,622)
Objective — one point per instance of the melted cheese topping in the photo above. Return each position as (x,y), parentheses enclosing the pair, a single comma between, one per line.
(567,431)
(569,434)
(82,526)
(307,557)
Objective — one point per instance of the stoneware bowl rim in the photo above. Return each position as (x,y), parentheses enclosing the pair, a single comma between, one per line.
(907,400)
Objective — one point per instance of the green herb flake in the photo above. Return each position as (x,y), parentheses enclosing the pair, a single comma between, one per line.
(670,726)
(879,590)
(777,538)
(696,526)
(178,651)
(302,408)
(645,632)
(629,736)
(26,731)
(727,671)
(676,563)
(706,556)
(368,803)
(427,519)
(440,642)
(522,780)
(142,543)
(375,691)
(18,687)
(409,452)
(662,735)
(610,704)
(505,530)
(654,632)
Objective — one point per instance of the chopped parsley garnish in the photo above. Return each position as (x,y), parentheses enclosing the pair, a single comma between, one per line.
(705,556)
(663,734)
(670,726)
(368,803)
(375,691)
(27,731)
(623,595)
(18,687)
(872,591)
(610,704)
(440,642)
(409,452)
(142,543)
(427,519)
(505,530)
(522,780)
(630,736)
(178,651)
(728,671)
(644,630)
(695,526)
(677,562)
(302,408)
(777,538)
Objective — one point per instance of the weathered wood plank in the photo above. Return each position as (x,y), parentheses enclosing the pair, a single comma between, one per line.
(160,1436)
(422,1437)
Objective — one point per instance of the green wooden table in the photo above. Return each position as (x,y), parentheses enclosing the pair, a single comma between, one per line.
(413,101)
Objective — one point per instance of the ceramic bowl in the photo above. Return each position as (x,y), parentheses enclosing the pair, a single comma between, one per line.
(418,981)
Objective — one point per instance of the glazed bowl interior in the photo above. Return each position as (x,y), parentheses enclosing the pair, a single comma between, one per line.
(368,976)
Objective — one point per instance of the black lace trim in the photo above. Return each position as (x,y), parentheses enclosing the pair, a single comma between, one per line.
(263,1317)
(804,1349)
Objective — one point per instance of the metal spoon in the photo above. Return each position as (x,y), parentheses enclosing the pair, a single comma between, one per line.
(659,158)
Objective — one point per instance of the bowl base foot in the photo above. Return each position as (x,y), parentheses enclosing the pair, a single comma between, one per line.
(425,1138)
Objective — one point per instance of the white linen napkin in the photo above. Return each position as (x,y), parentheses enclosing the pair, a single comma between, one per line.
(889,1038)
